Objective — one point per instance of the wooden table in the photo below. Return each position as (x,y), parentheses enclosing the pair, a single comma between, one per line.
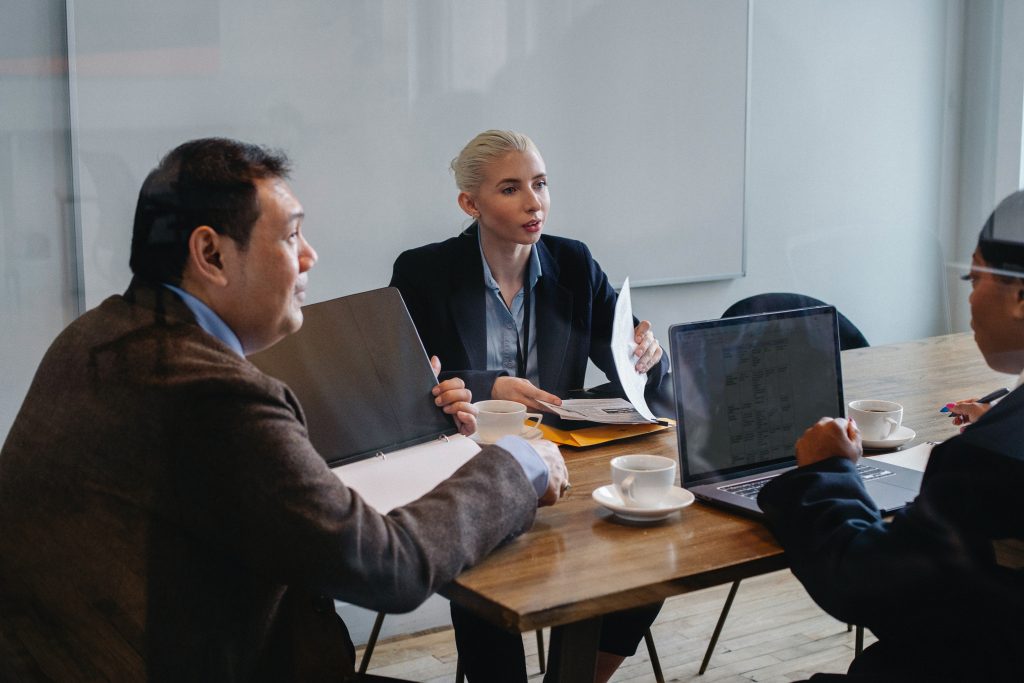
(578,563)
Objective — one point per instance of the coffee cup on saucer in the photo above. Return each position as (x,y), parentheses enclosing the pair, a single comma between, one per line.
(643,480)
(497,418)
(877,420)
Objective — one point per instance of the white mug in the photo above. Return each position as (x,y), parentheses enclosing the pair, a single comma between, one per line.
(497,418)
(643,480)
(877,420)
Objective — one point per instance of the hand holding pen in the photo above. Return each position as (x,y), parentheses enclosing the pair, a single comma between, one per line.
(971,410)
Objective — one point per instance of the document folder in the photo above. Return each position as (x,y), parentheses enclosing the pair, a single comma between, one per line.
(361,374)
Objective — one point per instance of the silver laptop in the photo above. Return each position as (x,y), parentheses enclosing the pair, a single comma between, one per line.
(746,388)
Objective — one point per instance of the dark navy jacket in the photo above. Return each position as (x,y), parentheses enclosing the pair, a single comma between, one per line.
(443,287)
(940,584)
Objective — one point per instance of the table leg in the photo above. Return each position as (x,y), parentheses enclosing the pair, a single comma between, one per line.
(572,652)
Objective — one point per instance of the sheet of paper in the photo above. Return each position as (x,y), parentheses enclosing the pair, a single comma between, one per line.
(915,458)
(392,480)
(633,409)
(623,346)
(604,410)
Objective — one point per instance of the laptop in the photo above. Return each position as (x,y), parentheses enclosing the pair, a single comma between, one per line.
(745,390)
(361,374)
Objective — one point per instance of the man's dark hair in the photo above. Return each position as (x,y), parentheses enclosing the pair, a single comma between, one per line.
(201,182)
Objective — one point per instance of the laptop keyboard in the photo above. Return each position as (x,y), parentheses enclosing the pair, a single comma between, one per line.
(750,489)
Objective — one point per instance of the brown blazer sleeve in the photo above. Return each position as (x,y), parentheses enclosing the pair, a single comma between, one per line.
(247,463)
(163,515)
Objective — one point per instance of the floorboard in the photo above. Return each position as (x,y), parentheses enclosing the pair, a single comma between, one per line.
(774,633)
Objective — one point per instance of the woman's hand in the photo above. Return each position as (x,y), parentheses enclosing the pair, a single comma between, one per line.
(648,350)
(968,411)
(452,397)
(522,391)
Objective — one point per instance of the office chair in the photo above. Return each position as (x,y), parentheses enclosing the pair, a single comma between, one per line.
(849,338)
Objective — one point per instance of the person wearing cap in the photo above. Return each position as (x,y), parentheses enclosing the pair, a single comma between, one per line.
(940,584)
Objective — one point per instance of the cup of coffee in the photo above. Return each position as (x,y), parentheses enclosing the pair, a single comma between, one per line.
(497,418)
(643,480)
(877,420)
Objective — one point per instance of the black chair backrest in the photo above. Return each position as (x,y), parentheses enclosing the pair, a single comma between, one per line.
(849,336)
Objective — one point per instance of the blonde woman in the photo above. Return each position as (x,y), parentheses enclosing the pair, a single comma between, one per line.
(516,314)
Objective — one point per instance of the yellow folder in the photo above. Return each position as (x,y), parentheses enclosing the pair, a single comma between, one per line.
(592,436)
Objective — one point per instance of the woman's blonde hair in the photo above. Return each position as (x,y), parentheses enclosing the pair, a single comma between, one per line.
(468,167)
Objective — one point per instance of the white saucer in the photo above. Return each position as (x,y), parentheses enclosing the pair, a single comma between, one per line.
(678,498)
(902,435)
(528,433)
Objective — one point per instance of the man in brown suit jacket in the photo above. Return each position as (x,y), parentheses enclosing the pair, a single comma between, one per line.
(163,515)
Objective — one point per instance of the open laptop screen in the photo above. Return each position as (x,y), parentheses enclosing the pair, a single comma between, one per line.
(746,388)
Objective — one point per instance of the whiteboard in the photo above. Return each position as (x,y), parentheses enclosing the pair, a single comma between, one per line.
(639,110)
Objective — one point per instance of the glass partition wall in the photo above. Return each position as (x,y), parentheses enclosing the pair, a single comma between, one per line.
(39,276)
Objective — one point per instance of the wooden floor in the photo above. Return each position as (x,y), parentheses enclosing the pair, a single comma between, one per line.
(774,633)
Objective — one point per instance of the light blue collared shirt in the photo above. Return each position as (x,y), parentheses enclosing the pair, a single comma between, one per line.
(503,329)
(208,320)
(533,466)
(505,326)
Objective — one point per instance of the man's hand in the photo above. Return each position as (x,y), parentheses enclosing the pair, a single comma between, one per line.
(522,391)
(648,350)
(558,476)
(455,399)
(829,437)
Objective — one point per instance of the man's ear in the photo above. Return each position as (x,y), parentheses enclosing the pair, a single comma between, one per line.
(1018,303)
(467,204)
(204,255)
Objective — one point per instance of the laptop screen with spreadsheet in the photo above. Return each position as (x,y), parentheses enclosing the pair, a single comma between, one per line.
(746,388)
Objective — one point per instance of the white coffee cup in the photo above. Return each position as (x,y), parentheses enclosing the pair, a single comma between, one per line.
(497,418)
(643,480)
(877,420)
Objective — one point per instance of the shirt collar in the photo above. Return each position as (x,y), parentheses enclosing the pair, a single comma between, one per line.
(533,271)
(208,320)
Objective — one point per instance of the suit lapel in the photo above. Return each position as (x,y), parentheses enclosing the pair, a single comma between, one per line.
(466,302)
(554,322)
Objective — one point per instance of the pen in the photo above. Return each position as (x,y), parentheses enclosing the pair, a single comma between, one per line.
(998,393)
(987,398)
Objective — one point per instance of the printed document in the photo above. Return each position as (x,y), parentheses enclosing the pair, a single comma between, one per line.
(634,410)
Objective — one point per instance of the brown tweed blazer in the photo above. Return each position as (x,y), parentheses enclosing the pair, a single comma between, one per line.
(163,515)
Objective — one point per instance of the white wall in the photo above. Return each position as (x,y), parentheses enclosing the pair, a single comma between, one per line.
(993,96)
(853,127)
